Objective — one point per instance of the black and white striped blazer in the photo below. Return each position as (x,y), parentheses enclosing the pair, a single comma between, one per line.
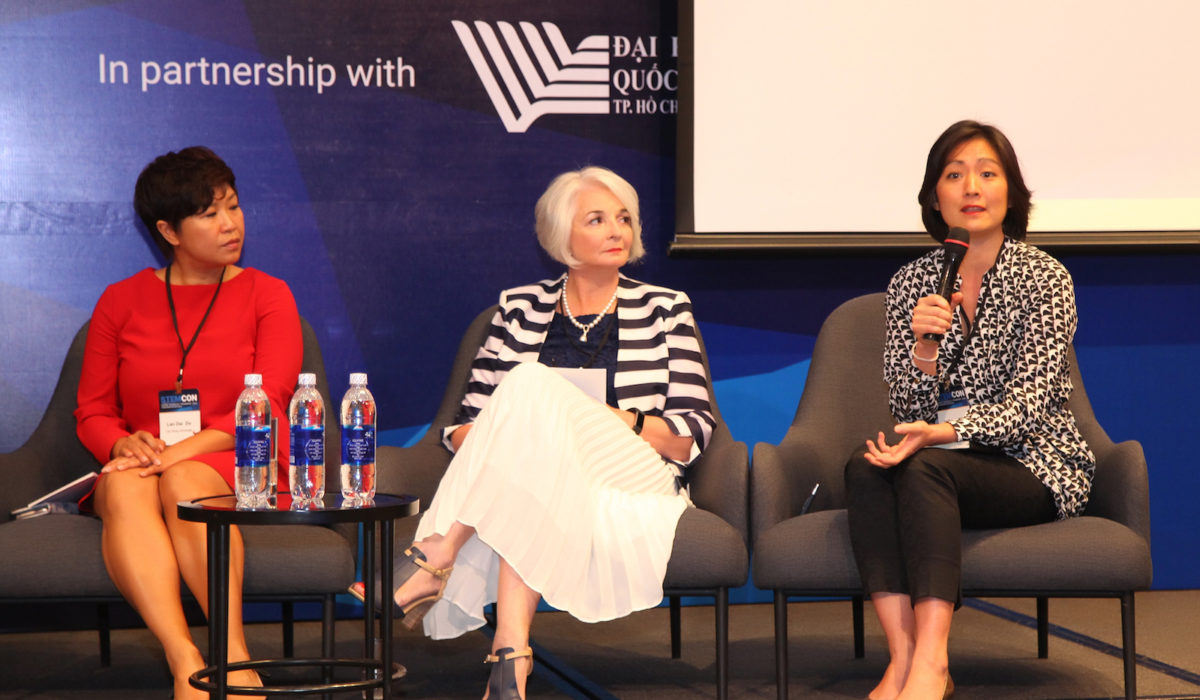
(659,367)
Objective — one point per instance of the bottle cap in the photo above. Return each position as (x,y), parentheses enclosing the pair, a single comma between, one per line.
(307,379)
(253,380)
(358,378)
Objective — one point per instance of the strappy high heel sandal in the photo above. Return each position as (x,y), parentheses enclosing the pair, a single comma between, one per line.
(410,615)
(502,684)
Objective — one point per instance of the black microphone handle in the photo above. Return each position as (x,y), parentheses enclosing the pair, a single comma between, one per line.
(946,286)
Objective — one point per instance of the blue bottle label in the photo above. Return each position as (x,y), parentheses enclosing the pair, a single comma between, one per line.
(358,446)
(307,446)
(253,446)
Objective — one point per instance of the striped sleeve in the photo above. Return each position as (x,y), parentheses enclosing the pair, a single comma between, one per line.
(512,333)
(661,327)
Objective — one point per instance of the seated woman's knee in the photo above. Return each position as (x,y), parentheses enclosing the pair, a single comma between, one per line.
(858,468)
(124,491)
(528,372)
(188,480)
(926,465)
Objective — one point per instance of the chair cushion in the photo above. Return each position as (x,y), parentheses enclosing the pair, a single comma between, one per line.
(1078,554)
(58,556)
(296,559)
(809,552)
(53,556)
(812,552)
(707,553)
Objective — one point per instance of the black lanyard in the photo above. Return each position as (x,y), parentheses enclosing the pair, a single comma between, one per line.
(985,294)
(175,322)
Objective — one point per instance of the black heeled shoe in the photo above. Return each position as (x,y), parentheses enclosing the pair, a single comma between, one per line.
(502,683)
(410,615)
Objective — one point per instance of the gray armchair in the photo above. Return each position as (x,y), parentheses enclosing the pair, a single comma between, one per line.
(55,559)
(710,551)
(1103,553)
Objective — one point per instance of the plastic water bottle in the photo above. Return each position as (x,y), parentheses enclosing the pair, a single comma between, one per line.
(306,462)
(358,443)
(252,451)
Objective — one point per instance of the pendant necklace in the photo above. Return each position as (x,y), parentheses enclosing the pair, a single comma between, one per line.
(585,327)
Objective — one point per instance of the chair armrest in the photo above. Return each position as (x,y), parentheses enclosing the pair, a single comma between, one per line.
(719,483)
(28,473)
(415,470)
(1121,489)
(770,489)
(17,470)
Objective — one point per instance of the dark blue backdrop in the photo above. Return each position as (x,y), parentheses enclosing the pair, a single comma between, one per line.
(396,213)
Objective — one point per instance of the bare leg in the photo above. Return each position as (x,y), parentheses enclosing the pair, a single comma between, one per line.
(515,605)
(141,562)
(440,552)
(184,481)
(930,668)
(896,616)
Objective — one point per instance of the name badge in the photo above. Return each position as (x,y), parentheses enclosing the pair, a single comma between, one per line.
(178,415)
(591,381)
(952,405)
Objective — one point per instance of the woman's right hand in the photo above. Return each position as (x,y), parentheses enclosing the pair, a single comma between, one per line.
(460,434)
(913,436)
(933,314)
(137,449)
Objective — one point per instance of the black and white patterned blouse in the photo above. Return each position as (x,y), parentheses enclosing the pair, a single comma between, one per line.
(1014,368)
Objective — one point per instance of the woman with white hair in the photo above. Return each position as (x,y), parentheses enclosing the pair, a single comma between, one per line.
(553,492)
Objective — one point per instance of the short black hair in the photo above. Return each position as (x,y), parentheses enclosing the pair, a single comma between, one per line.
(1016,220)
(175,186)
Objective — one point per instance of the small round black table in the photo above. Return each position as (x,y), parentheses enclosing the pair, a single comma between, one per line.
(218,513)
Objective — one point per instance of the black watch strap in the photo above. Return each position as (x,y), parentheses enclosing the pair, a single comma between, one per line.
(639,420)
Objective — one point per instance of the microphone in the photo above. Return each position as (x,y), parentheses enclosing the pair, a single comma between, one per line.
(954,249)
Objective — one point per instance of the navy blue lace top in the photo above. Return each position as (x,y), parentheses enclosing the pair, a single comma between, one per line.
(563,348)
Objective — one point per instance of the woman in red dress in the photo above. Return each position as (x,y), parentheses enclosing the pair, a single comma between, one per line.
(200,323)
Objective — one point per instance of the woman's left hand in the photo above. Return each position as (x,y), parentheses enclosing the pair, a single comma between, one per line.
(656,432)
(204,442)
(914,436)
(120,464)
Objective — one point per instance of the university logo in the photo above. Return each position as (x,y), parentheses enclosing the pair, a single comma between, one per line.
(534,72)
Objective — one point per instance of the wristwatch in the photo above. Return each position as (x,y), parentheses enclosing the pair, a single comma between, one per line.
(639,420)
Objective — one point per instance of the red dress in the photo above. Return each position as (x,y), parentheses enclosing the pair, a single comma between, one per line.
(132,353)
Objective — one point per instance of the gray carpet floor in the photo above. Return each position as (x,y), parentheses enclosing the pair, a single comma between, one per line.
(993,655)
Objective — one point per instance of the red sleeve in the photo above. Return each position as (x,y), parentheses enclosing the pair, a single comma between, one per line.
(99,422)
(278,351)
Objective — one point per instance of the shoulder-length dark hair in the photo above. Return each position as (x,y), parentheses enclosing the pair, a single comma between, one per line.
(1016,221)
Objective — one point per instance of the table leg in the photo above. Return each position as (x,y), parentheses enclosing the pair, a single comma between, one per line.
(386,555)
(218,606)
(369,582)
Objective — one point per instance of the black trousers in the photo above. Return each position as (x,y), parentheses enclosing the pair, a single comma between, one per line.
(906,522)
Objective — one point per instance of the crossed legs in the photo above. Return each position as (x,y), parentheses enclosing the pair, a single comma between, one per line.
(147,549)
(516,602)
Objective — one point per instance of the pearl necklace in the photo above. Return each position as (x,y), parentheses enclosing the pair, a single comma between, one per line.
(585,327)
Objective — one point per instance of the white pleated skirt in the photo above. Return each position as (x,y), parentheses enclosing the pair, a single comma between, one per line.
(553,481)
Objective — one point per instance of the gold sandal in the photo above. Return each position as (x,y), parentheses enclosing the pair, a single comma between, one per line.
(412,614)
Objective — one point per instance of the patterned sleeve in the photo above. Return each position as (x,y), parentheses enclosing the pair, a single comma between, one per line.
(913,395)
(687,410)
(1040,377)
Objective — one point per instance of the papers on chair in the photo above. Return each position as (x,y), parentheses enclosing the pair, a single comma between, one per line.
(64,499)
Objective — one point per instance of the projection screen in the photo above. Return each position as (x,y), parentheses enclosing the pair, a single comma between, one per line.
(807,122)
